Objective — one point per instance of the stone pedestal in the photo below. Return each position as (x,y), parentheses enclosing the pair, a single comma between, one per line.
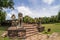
(17,31)
(40,27)
(13,32)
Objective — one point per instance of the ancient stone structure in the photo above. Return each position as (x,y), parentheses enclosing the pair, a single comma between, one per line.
(13,18)
(39,23)
(20,19)
(17,31)
(40,27)
(22,31)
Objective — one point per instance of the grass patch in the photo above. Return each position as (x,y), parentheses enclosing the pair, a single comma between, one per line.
(2,30)
(54,27)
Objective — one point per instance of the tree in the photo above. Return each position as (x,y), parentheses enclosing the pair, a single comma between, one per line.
(28,19)
(59,15)
(6,4)
(2,16)
(36,20)
(56,18)
(44,20)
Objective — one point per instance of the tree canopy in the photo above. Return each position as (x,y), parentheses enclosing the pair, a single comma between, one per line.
(6,4)
(52,19)
(2,16)
(28,19)
(59,15)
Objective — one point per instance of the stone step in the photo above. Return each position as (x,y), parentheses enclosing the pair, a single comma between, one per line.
(31,29)
(28,32)
(31,34)
(29,26)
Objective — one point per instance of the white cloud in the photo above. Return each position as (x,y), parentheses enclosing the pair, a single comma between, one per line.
(48,11)
(10,14)
(48,1)
(24,10)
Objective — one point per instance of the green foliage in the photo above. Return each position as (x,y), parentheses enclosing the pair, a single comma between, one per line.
(52,19)
(37,20)
(45,20)
(28,19)
(6,4)
(58,15)
(2,16)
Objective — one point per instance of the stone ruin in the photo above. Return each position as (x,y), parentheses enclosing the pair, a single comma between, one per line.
(39,26)
(18,30)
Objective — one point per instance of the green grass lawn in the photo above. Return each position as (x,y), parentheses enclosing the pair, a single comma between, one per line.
(2,29)
(54,28)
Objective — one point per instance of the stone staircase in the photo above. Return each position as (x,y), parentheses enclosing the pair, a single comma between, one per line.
(30,30)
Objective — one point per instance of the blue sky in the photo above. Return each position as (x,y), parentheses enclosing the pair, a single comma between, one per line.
(34,8)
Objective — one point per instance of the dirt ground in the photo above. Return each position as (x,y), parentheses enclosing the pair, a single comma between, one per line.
(40,36)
